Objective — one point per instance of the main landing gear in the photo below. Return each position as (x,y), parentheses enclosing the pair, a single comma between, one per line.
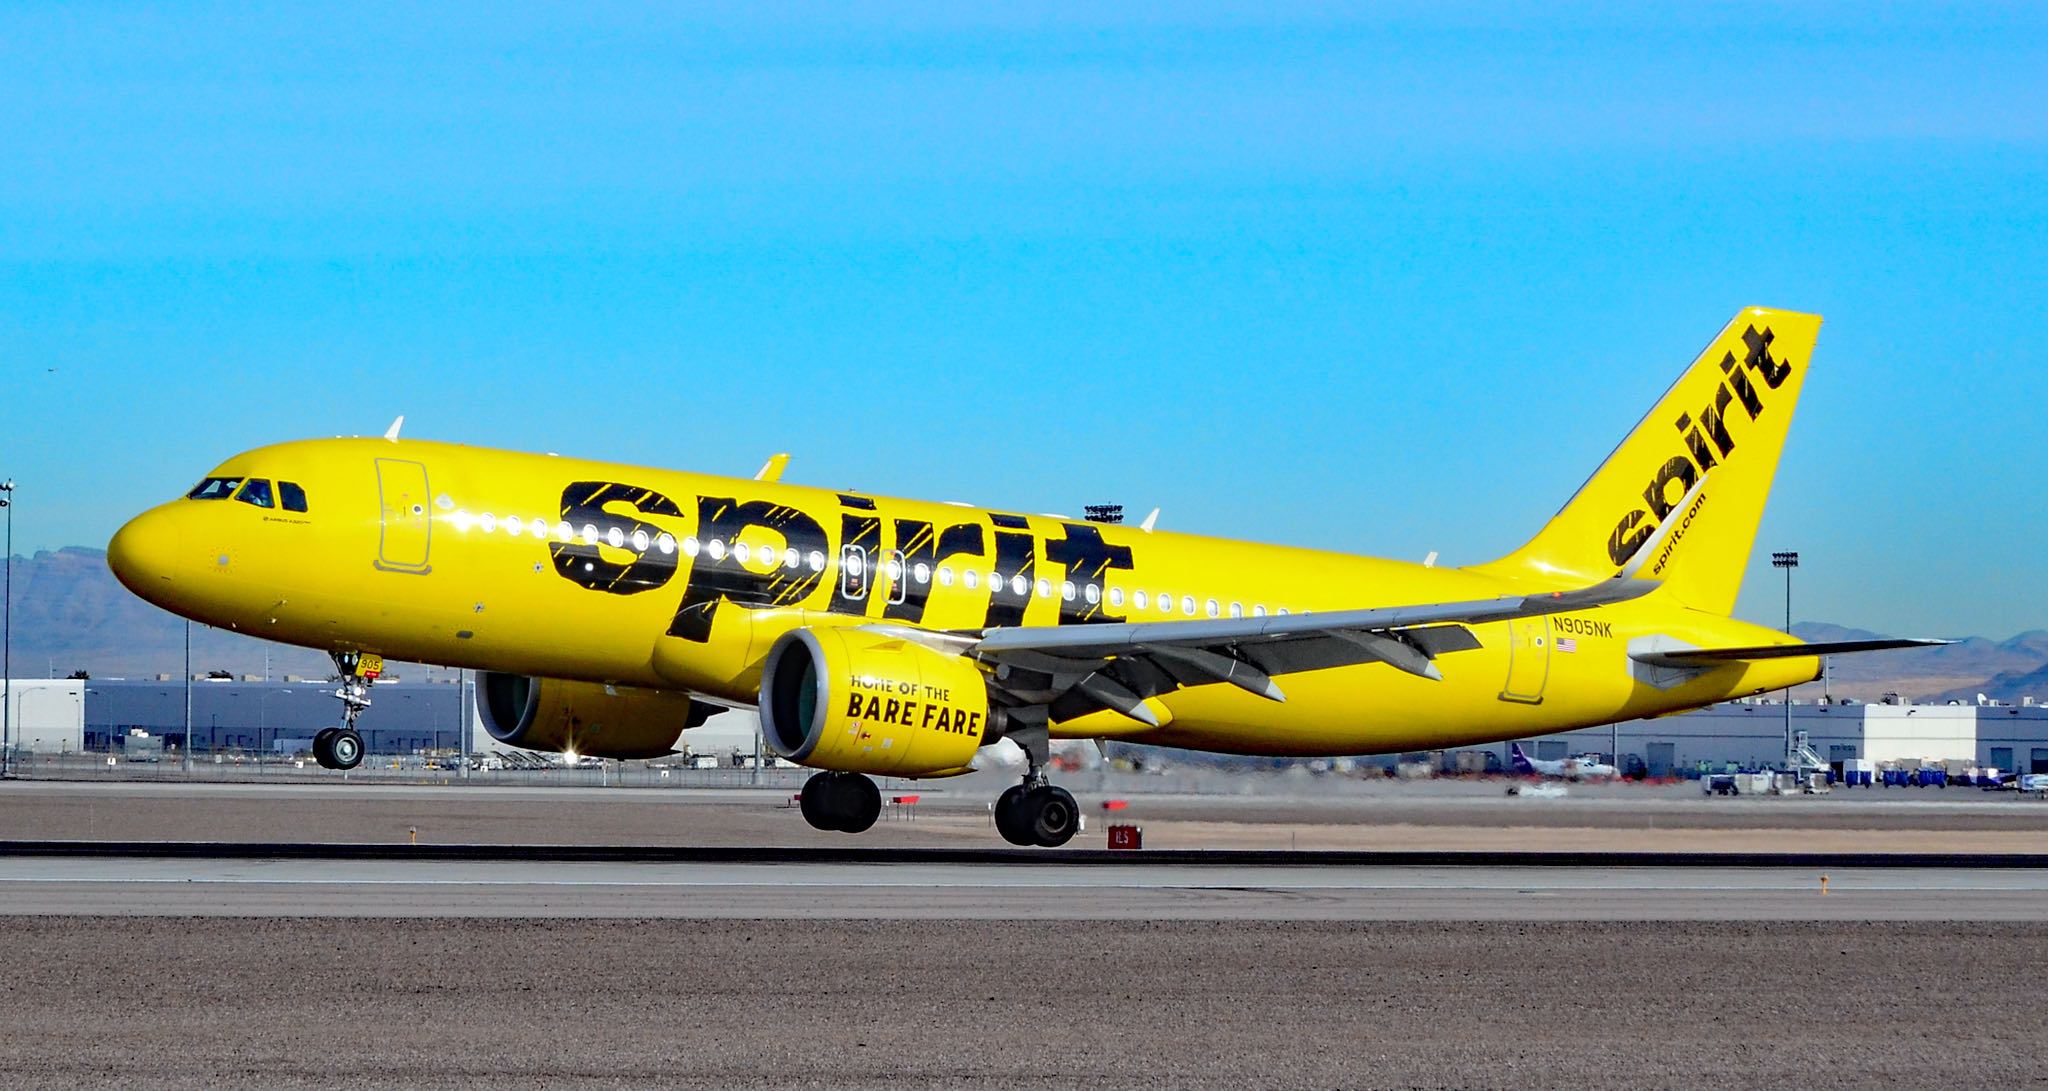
(847,802)
(1036,812)
(342,747)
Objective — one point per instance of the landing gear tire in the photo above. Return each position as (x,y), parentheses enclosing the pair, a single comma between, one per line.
(846,802)
(1054,816)
(815,801)
(860,803)
(323,746)
(1010,818)
(342,747)
(345,749)
(1040,815)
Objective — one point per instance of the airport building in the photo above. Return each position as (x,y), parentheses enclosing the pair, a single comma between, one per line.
(267,717)
(1752,735)
(46,715)
(249,717)
(279,718)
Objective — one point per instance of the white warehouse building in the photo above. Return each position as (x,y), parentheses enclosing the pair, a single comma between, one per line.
(46,715)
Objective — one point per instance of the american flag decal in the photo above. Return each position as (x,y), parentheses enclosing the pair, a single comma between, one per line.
(1567,644)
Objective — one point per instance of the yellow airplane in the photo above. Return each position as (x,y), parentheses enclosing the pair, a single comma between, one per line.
(608,608)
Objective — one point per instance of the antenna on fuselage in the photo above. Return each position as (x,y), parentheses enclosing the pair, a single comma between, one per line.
(391,433)
(1151,521)
(771,470)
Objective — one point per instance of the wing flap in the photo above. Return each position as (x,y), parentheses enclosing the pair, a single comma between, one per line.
(1079,670)
(1707,657)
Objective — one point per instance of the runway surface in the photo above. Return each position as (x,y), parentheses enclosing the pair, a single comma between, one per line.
(1269,814)
(1006,891)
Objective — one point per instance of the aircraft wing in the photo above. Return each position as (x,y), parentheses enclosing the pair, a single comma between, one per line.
(1080,669)
(1709,657)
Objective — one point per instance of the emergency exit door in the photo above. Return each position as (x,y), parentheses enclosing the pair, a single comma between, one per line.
(1528,660)
(406,529)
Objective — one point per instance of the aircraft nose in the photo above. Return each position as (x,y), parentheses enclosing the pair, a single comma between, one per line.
(144,554)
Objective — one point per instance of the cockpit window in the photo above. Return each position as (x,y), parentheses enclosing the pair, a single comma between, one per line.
(214,488)
(256,492)
(290,496)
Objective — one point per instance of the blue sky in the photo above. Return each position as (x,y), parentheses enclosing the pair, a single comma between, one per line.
(1388,279)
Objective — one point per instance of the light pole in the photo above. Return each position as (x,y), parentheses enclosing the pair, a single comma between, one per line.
(187,748)
(1787,561)
(7,638)
(263,720)
(462,717)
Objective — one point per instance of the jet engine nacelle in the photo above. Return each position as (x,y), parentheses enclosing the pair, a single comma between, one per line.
(586,718)
(861,702)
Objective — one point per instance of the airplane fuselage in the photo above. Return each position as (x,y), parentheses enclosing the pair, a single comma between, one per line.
(563,568)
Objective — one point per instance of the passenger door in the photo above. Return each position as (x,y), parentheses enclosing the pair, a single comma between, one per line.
(1528,660)
(407,529)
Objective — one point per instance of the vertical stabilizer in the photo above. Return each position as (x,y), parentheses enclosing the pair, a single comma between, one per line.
(1722,427)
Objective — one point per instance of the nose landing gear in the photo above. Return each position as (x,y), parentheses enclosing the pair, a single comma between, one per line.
(342,747)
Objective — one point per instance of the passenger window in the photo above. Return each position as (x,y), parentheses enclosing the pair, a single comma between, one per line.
(1137,598)
(1067,590)
(1094,595)
(853,572)
(1259,610)
(1187,605)
(290,497)
(214,488)
(256,492)
(1237,609)
(1212,607)
(1165,603)
(898,573)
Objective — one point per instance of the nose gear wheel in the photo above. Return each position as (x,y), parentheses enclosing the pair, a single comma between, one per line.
(342,747)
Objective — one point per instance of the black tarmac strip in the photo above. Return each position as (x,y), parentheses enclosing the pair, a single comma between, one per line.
(736,854)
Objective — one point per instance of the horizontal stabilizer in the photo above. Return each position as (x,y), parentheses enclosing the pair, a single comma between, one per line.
(1707,657)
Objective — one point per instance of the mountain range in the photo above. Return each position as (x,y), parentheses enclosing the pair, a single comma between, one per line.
(70,614)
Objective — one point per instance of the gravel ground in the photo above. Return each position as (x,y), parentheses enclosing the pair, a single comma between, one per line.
(745,1004)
